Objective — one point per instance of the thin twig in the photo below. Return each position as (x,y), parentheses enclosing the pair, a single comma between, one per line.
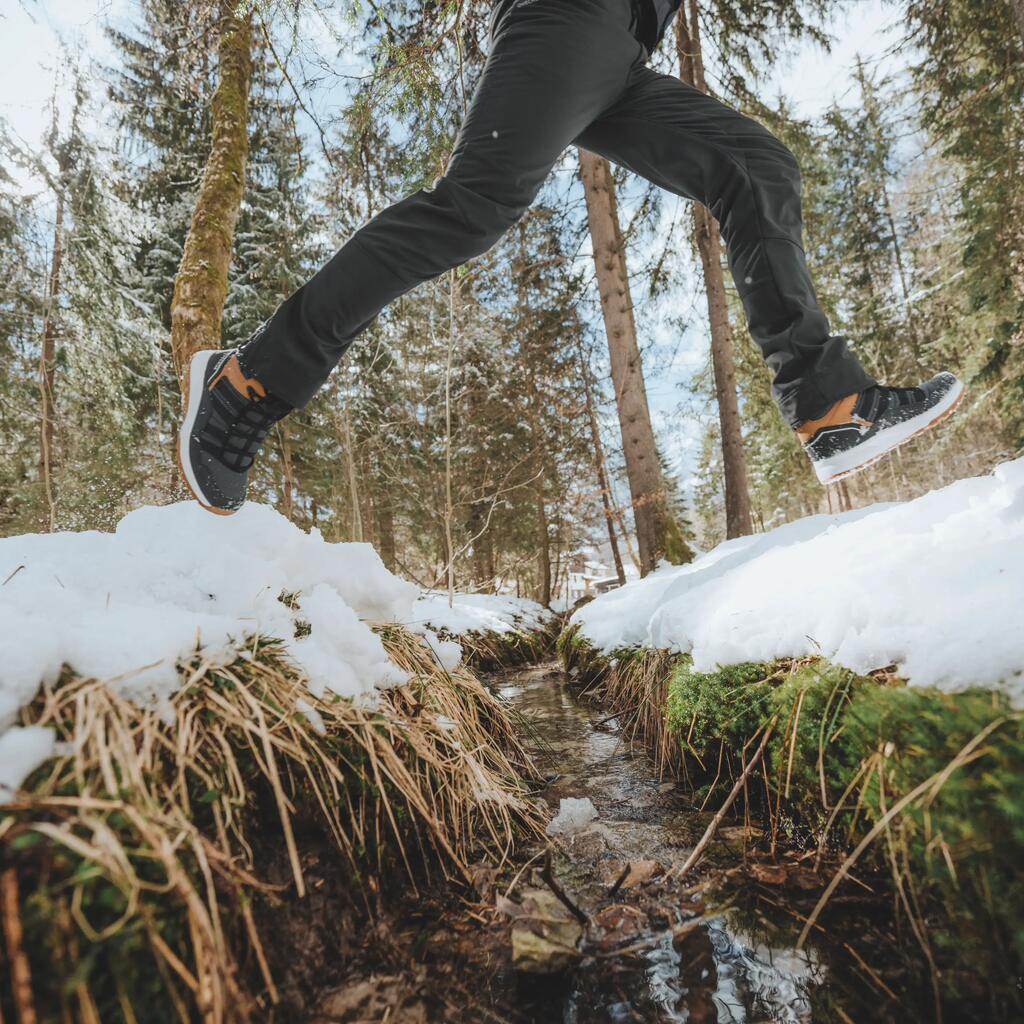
(549,878)
(698,850)
(21,977)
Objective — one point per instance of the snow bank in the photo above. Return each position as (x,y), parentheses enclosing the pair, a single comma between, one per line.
(934,586)
(479,613)
(22,750)
(573,816)
(126,606)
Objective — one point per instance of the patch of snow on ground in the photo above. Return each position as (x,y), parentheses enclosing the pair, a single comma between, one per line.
(23,749)
(478,613)
(573,816)
(934,586)
(126,606)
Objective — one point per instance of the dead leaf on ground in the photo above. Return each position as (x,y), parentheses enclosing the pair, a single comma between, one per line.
(379,997)
(787,873)
(483,876)
(641,871)
(545,936)
(739,833)
(621,924)
(769,874)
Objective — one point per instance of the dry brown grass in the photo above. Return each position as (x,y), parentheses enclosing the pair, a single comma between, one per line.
(635,687)
(132,865)
(489,651)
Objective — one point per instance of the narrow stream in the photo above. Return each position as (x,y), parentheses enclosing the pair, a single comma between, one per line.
(740,964)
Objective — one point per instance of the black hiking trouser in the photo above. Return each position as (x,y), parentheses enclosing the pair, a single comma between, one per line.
(563,72)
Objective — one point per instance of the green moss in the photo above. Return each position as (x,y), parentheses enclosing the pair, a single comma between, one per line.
(955,849)
(705,708)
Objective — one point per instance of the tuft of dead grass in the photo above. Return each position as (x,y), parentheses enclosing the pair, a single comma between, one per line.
(489,651)
(133,861)
(632,683)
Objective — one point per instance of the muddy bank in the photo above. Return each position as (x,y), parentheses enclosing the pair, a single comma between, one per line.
(919,788)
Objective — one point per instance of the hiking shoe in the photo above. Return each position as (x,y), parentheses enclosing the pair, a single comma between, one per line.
(860,429)
(227,416)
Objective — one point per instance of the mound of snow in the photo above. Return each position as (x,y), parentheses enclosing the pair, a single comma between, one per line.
(479,613)
(573,816)
(22,750)
(127,606)
(934,586)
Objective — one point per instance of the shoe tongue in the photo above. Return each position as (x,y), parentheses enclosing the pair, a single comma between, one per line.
(232,374)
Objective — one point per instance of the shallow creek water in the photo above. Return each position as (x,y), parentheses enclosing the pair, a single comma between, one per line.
(740,963)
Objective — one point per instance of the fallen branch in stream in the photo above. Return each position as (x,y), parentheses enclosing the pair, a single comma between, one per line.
(698,850)
(549,879)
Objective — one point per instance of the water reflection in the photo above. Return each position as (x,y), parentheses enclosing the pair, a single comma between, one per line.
(716,973)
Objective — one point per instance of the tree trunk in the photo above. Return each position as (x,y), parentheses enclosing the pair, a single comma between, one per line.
(483,545)
(1018,11)
(543,542)
(344,428)
(734,463)
(602,476)
(386,534)
(656,530)
(287,473)
(201,284)
(539,460)
(709,244)
(47,361)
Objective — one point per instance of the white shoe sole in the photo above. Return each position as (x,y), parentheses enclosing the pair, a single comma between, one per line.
(847,463)
(195,379)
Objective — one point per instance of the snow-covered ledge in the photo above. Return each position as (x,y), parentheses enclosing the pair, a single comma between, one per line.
(934,586)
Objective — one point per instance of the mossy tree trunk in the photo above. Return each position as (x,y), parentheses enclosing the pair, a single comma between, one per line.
(201,284)
(738,522)
(657,533)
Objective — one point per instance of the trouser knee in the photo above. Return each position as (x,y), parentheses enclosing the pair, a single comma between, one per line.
(475,221)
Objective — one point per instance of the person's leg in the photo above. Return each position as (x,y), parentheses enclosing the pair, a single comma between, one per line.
(553,67)
(695,146)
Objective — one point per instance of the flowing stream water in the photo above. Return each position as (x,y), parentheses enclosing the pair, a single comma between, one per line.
(740,963)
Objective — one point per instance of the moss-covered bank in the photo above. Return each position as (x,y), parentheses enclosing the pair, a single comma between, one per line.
(216,862)
(923,786)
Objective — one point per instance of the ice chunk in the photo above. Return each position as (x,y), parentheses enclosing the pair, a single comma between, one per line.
(573,816)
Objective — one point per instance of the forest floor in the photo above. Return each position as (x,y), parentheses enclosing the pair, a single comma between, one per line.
(609,930)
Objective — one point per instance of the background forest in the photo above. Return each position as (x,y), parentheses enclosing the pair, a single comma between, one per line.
(473,433)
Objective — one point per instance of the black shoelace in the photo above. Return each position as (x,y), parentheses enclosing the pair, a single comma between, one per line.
(239,424)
